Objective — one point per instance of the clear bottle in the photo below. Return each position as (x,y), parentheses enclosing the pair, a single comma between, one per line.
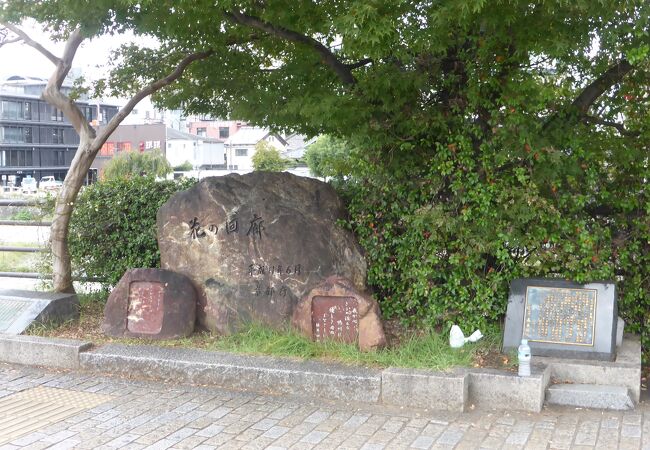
(524,358)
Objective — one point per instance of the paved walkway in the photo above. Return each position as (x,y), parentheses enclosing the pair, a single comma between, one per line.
(77,410)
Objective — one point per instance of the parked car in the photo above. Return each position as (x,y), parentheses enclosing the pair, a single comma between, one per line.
(50,184)
(28,185)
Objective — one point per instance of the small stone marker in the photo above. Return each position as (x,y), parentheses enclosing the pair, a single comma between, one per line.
(563,319)
(336,310)
(19,309)
(151,303)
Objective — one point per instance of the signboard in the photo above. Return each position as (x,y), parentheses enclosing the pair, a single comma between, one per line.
(561,318)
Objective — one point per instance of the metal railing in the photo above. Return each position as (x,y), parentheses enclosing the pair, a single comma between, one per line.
(28,223)
(32,223)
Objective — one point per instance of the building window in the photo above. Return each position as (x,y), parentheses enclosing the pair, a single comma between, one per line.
(27,135)
(202,131)
(11,110)
(28,111)
(57,135)
(59,157)
(241,152)
(108,149)
(224,132)
(57,115)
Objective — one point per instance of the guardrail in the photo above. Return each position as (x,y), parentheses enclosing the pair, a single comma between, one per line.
(32,223)
(29,223)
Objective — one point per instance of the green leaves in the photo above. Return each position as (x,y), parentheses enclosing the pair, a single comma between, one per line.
(113,226)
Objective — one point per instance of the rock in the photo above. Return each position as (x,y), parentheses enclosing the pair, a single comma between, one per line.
(336,310)
(151,303)
(254,244)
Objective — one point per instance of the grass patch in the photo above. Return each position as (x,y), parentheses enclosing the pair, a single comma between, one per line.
(18,261)
(414,350)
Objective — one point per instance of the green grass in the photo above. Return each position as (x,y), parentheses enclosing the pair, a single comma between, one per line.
(18,261)
(415,350)
(430,351)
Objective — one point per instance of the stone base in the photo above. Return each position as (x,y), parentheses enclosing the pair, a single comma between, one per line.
(590,396)
(19,309)
(625,371)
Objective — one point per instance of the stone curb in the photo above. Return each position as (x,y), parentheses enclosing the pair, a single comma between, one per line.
(457,390)
(255,373)
(40,351)
(590,396)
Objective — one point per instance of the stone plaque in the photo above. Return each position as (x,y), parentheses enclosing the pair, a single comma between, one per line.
(560,315)
(336,310)
(145,307)
(151,303)
(19,309)
(335,318)
(561,318)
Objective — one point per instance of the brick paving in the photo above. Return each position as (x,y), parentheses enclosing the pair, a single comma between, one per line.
(152,415)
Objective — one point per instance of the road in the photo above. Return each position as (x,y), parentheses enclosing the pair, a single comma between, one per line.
(77,410)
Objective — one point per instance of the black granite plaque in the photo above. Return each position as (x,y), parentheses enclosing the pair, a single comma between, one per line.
(563,319)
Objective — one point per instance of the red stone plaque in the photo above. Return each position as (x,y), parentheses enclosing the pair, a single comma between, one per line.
(145,307)
(335,318)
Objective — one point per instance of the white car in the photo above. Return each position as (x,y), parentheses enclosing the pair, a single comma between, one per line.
(28,185)
(50,184)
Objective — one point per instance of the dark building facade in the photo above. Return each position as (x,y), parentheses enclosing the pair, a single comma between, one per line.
(35,138)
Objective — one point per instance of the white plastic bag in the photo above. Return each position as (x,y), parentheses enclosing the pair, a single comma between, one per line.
(457,339)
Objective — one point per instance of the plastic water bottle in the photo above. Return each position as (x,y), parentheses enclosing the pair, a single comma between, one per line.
(524,358)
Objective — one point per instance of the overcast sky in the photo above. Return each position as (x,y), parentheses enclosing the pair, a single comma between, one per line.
(20,59)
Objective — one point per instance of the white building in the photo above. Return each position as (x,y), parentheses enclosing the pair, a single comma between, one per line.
(240,147)
(202,152)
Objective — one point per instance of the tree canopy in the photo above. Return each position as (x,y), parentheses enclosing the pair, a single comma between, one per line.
(268,158)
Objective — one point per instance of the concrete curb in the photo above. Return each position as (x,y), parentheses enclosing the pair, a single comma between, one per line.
(40,351)
(256,373)
(457,390)
(425,389)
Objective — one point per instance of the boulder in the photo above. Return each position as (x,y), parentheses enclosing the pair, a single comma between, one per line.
(254,244)
(336,310)
(151,303)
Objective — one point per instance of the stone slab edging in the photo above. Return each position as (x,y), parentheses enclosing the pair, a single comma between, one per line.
(41,351)
(456,390)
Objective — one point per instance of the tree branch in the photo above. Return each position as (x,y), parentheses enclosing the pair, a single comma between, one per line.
(601,84)
(32,43)
(147,90)
(607,123)
(52,92)
(360,63)
(343,72)
(580,106)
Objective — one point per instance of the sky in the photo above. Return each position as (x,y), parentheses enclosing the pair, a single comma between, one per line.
(20,59)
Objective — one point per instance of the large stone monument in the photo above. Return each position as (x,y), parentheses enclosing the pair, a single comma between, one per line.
(563,319)
(254,244)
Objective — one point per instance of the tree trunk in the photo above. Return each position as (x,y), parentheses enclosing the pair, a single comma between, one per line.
(74,180)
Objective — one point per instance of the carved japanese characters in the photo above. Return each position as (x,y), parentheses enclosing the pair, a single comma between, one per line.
(336,310)
(254,244)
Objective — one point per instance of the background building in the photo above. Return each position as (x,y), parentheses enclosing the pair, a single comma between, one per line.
(35,138)
(203,153)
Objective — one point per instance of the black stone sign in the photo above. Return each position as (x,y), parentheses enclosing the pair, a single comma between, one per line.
(562,319)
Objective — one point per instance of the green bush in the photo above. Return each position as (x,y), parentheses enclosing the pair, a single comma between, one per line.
(445,236)
(113,226)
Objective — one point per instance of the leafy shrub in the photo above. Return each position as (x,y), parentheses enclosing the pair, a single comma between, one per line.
(113,226)
(134,164)
(268,158)
(445,236)
(186,166)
